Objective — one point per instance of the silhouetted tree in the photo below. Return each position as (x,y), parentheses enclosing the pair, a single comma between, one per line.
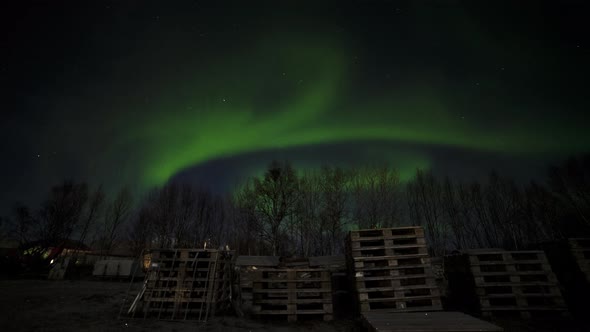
(308,230)
(425,200)
(23,223)
(140,231)
(116,215)
(376,192)
(571,184)
(91,214)
(334,185)
(61,212)
(275,196)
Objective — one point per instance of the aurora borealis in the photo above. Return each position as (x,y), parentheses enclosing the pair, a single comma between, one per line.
(139,93)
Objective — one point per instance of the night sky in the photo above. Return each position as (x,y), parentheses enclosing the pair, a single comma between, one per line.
(138,93)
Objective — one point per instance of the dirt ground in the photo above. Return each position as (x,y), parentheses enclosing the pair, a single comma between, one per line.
(83,305)
(42,305)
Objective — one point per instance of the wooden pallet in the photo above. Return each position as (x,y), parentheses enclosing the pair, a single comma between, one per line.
(580,249)
(517,282)
(186,284)
(391,270)
(293,294)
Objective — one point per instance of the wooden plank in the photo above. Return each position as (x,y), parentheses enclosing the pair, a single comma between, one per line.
(363,278)
(364,268)
(390,252)
(296,301)
(510,269)
(287,290)
(426,322)
(399,232)
(431,286)
(330,262)
(394,260)
(516,308)
(258,261)
(582,243)
(387,242)
(514,277)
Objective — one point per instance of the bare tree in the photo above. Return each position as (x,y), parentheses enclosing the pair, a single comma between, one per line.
(571,184)
(466,215)
(308,233)
(187,211)
(457,221)
(334,186)
(116,215)
(140,231)
(376,192)
(61,212)
(91,214)
(505,210)
(425,202)
(163,203)
(249,228)
(274,196)
(23,223)
(545,210)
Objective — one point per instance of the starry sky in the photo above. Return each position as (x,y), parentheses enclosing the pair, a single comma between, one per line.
(140,93)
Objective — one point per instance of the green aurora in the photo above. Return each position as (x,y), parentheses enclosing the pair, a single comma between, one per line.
(136,95)
(233,110)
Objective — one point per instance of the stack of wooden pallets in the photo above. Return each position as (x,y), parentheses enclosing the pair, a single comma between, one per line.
(392,270)
(515,282)
(248,267)
(292,293)
(185,284)
(580,249)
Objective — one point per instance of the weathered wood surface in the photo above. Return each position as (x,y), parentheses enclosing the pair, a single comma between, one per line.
(391,270)
(329,262)
(258,261)
(426,322)
(580,249)
(518,281)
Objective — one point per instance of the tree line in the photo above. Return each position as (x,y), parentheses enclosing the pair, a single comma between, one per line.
(308,213)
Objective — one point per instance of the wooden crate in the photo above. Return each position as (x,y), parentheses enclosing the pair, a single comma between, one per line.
(293,294)
(518,282)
